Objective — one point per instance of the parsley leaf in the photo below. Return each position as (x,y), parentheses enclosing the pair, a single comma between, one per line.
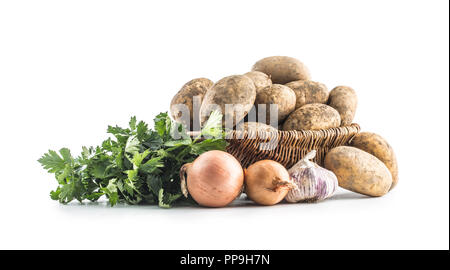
(208,145)
(53,162)
(213,126)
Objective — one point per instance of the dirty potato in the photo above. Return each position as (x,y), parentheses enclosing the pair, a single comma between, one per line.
(258,129)
(234,96)
(260,79)
(313,116)
(345,101)
(256,126)
(308,92)
(279,95)
(358,171)
(376,145)
(185,96)
(282,69)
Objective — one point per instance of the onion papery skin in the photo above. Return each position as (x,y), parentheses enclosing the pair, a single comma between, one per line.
(260,178)
(214,179)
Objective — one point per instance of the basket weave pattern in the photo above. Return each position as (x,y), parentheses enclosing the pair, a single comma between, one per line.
(291,145)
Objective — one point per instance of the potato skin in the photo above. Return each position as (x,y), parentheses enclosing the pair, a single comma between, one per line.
(313,116)
(256,126)
(260,79)
(195,87)
(280,95)
(358,171)
(376,145)
(345,101)
(282,69)
(308,92)
(235,89)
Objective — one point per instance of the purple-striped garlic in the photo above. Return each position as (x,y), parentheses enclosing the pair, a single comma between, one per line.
(314,183)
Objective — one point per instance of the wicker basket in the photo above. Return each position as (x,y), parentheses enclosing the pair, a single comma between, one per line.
(290,146)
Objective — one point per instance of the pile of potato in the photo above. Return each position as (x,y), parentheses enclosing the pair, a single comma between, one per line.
(367,166)
(285,81)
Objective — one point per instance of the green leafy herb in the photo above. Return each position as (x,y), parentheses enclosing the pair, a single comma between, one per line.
(137,166)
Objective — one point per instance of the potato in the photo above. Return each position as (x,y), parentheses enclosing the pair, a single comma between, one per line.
(313,116)
(358,171)
(258,130)
(308,92)
(282,69)
(185,96)
(376,145)
(255,126)
(344,100)
(280,95)
(236,91)
(260,79)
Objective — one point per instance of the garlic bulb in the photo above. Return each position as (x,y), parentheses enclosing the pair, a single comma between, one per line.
(314,183)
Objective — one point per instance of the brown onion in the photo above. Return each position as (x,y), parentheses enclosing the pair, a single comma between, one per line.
(214,179)
(267,182)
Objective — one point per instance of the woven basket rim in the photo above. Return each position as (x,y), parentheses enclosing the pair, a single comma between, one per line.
(287,147)
(294,133)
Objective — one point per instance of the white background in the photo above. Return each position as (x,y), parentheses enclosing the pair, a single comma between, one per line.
(70,68)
